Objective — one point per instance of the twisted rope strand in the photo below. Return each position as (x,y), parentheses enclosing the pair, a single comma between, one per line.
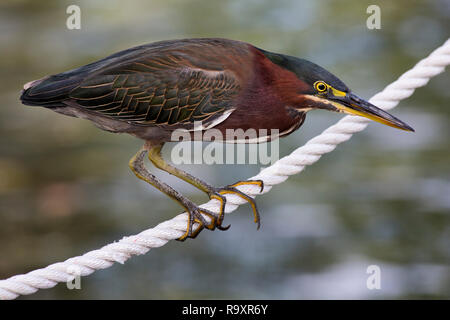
(294,163)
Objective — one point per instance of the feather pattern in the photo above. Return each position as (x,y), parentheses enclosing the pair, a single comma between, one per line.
(163,84)
(158,91)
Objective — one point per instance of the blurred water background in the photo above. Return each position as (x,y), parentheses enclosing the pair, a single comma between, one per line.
(383,198)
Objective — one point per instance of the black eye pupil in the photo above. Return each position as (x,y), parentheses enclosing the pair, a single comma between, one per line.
(321,87)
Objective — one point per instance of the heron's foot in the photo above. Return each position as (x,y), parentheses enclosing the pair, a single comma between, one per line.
(218,193)
(195,215)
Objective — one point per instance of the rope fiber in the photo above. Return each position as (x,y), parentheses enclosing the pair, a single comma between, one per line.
(294,163)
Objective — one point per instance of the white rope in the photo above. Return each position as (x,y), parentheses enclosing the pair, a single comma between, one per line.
(292,164)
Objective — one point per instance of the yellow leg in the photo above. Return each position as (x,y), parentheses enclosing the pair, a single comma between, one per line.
(194,212)
(154,155)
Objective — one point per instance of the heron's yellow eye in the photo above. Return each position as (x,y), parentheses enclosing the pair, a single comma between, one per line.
(320,86)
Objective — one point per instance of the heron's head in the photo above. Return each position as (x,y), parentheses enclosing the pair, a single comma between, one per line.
(320,89)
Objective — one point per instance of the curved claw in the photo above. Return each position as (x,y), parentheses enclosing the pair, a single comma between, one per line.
(195,215)
(217,219)
(194,234)
(233,190)
(252,202)
(260,183)
(213,224)
(221,228)
(223,201)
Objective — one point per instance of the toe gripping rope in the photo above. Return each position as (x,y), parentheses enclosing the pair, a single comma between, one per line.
(294,163)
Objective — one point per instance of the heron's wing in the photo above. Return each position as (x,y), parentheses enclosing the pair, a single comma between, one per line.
(159,90)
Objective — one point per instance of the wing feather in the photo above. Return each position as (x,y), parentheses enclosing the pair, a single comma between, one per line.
(163,83)
(159,91)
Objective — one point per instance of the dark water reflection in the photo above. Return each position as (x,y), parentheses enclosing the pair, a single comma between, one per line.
(380,199)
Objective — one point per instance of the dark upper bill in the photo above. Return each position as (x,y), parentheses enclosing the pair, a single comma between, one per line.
(352,104)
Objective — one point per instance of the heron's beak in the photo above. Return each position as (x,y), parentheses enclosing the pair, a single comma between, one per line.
(350,103)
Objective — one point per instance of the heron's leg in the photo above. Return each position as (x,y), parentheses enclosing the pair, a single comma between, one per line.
(154,154)
(194,212)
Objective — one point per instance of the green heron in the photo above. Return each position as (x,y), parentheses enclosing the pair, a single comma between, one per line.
(152,90)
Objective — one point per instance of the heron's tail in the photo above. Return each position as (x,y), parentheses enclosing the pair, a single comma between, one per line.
(48,92)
